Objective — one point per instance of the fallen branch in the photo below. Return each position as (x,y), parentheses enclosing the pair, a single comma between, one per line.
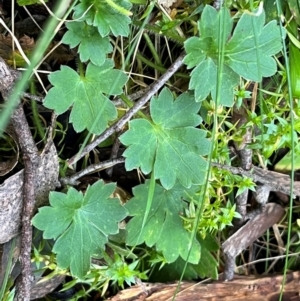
(274,180)
(23,192)
(248,233)
(31,160)
(31,163)
(72,180)
(240,289)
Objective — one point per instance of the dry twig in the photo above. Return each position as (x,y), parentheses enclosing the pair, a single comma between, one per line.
(121,122)
(8,78)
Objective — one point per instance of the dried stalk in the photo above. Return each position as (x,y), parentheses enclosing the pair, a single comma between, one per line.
(8,78)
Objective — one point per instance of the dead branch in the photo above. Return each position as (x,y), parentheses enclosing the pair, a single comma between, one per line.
(29,188)
(240,289)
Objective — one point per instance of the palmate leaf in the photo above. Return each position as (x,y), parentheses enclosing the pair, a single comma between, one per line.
(248,53)
(104,17)
(171,146)
(164,227)
(92,46)
(91,110)
(209,36)
(206,74)
(80,224)
(242,51)
(206,267)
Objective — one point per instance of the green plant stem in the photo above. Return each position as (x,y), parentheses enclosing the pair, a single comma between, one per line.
(152,49)
(35,115)
(81,69)
(8,267)
(288,75)
(119,8)
(83,147)
(130,104)
(150,64)
(156,30)
(42,45)
(151,191)
(36,120)
(157,67)
(201,200)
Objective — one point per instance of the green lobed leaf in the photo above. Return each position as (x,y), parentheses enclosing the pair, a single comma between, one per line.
(164,227)
(196,50)
(170,146)
(92,46)
(210,22)
(285,164)
(242,51)
(206,74)
(86,94)
(294,6)
(80,224)
(104,17)
(208,265)
(248,53)
(173,271)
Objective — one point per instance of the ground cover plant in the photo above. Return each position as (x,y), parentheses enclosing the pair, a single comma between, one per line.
(149,131)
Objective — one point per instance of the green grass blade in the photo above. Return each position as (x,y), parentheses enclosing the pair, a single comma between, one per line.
(42,46)
(201,200)
(8,268)
(289,81)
